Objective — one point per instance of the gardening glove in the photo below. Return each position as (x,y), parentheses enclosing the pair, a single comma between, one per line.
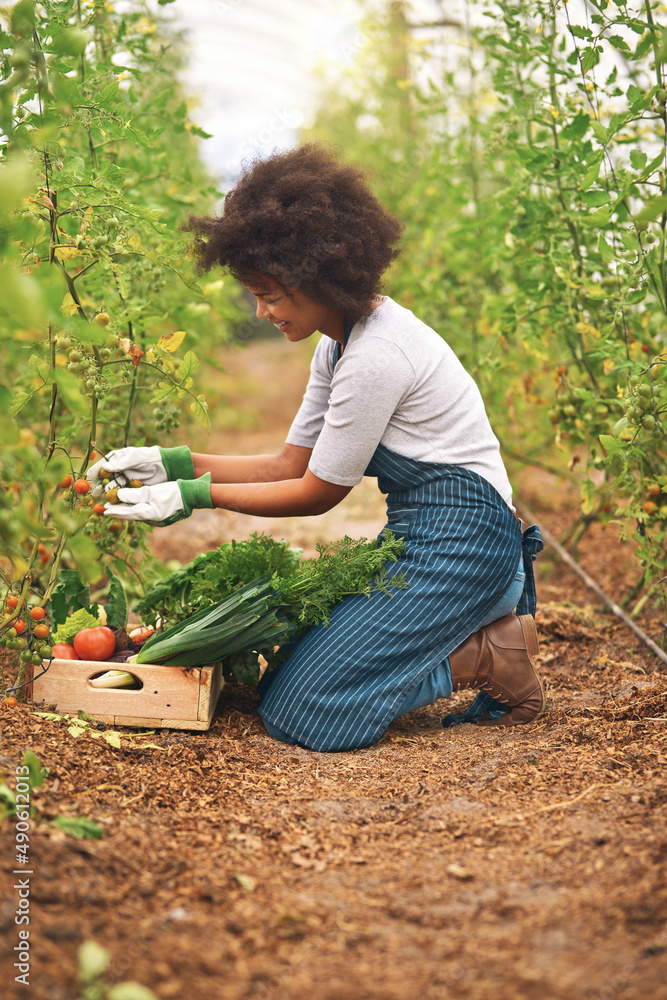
(150,465)
(164,503)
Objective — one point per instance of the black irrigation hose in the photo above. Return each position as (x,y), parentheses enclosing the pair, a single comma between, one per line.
(17,687)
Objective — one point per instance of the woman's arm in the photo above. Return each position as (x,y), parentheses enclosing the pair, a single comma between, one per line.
(307,495)
(291,462)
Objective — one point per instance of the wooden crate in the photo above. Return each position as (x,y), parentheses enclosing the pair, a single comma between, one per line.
(171,697)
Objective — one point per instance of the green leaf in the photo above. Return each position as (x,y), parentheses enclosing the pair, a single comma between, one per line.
(638,159)
(116,607)
(592,172)
(18,402)
(605,250)
(162,390)
(652,209)
(39,367)
(590,57)
(70,594)
(200,409)
(37,773)
(93,959)
(80,827)
(611,444)
(599,131)
(131,990)
(188,365)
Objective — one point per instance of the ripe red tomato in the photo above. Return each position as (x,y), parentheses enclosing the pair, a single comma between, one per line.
(97,643)
(9,702)
(98,508)
(19,625)
(40,631)
(64,483)
(650,508)
(37,614)
(81,486)
(63,651)
(12,601)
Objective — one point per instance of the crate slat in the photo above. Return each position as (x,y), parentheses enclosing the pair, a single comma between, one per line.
(171,697)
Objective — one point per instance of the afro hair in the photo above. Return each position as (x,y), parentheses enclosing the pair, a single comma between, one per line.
(308,222)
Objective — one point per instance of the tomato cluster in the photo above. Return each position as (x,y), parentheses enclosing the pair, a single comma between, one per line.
(28,633)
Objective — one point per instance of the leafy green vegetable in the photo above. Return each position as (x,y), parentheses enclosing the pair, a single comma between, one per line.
(116,607)
(69,628)
(269,596)
(210,577)
(70,594)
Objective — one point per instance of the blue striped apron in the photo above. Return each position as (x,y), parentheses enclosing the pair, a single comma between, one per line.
(343,683)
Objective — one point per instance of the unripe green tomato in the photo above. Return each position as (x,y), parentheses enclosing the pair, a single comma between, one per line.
(25,655)
(71,41)
(20,59)
(11,633)
(112,341)
(641,226)
(634,414)
(68,494)
(79,241)
(75,355)
(20,643)
(45,651)
(649,238)
(644,390)
(105,354)
(661,96)
(112,222)
(12,644)
(648,422)
(569,410)
(634,380)
(36,659)
(554,415)
(63,343)
(90,384)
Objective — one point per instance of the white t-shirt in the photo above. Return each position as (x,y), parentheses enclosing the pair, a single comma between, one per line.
(397,383)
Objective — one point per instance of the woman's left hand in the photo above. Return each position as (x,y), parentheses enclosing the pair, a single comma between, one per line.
(163,504)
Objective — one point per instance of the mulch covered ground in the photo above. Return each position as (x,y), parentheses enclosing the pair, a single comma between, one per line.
(467,863)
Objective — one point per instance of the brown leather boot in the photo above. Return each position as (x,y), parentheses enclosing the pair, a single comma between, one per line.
(498,659)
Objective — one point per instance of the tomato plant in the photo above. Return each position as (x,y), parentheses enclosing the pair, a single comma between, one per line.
(99,164)
(529,170)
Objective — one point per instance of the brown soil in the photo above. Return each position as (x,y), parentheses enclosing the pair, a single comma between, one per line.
(468,863)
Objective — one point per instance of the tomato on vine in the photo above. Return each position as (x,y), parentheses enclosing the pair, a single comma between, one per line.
(81,486)
(37,614)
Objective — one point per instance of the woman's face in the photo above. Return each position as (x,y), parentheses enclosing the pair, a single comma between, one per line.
(294,314)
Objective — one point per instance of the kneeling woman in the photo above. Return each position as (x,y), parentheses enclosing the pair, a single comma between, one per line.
(386,397)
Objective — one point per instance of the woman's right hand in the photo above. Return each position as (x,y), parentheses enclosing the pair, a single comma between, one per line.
(151,466)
